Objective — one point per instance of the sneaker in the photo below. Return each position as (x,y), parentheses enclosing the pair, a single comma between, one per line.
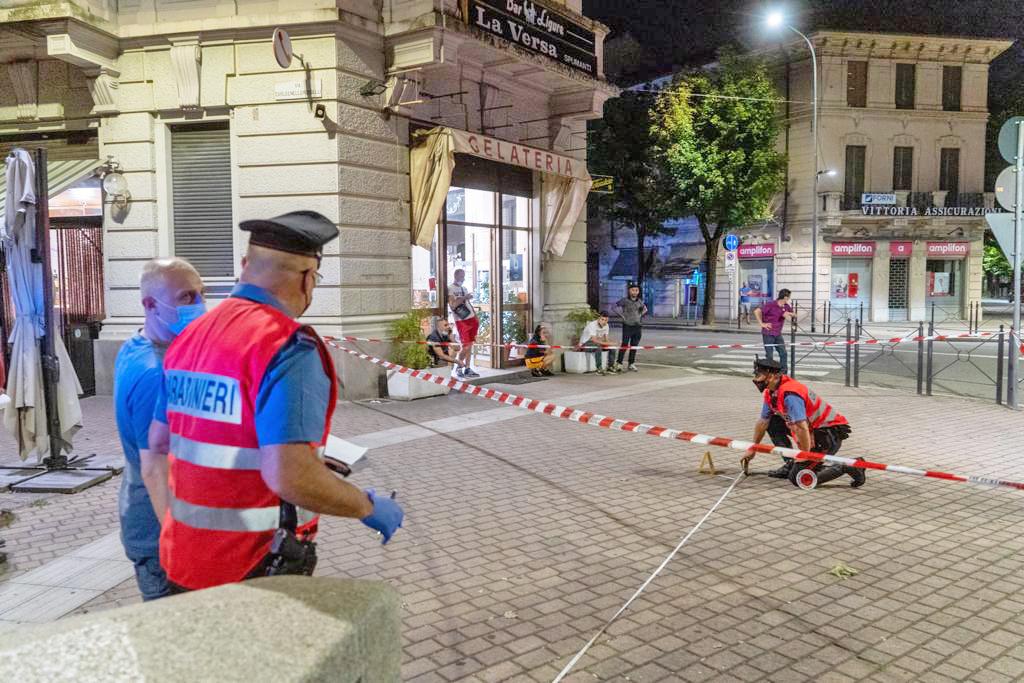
(469,372)
(547,373)
(859,476)
(632,368)
(536,373)
(457,374)
(601,371)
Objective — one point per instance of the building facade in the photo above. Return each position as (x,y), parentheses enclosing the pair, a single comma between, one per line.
(901,162)
(187,100)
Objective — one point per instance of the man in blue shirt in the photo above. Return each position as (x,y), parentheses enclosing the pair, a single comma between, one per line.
(171,292)
(280,270)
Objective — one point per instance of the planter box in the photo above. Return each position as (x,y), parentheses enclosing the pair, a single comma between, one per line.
(578,362)
(403,387)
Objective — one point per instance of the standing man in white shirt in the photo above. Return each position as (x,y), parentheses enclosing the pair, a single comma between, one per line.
(466,322)
(595,336)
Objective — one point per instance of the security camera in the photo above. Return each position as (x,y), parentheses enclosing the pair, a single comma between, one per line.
(320,112)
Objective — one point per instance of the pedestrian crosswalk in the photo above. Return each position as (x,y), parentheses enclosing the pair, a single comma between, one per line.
(810,363)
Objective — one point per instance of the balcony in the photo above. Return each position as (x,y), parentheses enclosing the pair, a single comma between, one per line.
(922,202)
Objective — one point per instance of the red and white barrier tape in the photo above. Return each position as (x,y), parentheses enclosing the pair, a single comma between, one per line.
(585,417)
(692,347)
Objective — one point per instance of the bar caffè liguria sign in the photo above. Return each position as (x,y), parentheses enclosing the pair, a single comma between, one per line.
(538,29)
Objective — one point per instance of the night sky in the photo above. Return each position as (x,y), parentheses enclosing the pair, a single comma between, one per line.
(688,32)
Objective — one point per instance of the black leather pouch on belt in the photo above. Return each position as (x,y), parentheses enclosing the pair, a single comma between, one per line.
(288,554)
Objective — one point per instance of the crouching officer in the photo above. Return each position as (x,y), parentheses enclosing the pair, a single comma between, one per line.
(791,410)
(248,397)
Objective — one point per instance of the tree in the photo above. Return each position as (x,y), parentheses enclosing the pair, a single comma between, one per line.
(626,61)
(621,145)
(716,131)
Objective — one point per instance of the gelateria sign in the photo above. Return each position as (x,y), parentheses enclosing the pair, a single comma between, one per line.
(533,26)
(530,158)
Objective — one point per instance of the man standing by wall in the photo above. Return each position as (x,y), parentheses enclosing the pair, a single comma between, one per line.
(632,309)
(172,297)
(772,316)
(466,321)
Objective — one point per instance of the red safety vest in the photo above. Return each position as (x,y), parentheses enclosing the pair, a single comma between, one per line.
(819,413)
(221,515)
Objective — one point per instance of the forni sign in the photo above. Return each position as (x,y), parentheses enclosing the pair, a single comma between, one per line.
(538,29)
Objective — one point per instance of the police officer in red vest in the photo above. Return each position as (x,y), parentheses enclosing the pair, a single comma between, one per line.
(793,413)
(247,402)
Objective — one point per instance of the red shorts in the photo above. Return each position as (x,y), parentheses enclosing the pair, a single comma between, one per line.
(467,329)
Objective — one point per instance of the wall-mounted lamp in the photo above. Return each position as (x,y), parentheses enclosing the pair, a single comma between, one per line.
(959,232)
(114,183)
(372,88)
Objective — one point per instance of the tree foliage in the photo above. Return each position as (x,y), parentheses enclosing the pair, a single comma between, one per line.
(716,133)
(621,145)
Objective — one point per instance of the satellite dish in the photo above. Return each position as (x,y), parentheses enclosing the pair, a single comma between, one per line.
(115,184)
(282,48)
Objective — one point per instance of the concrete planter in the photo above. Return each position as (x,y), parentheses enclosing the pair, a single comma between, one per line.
(578,362)
(403,387)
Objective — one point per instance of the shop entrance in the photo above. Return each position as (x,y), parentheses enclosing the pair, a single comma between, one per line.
(899,290)
(944,288)
(488,235)
(759,276)
(851,287)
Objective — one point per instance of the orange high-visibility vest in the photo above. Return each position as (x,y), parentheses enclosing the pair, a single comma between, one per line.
(819,413)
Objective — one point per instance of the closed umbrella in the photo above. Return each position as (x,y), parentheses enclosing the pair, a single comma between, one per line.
(25,417)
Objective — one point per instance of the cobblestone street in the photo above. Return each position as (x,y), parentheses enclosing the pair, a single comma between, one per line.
(525,533)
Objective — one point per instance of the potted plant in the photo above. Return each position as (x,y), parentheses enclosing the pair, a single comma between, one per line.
(406,335)
(579,362)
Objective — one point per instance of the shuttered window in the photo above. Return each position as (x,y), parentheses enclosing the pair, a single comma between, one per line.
(906,82)
(949,170)
(952,84)
(201,197)
(857,84)
(902,168)
(856,156)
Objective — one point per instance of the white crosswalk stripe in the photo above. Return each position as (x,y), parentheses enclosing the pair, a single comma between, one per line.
(809,363)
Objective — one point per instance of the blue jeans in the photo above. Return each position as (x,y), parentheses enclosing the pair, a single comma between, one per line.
(150,576)
(773,343)
(599,351)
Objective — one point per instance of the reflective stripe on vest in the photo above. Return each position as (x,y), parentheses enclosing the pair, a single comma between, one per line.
(214,455)
(232,519)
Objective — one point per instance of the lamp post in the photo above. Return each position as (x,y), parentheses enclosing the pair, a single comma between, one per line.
(775,20)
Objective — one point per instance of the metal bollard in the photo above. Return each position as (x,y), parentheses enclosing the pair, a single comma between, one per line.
(856,356)
(792,349)
(920,357)
(999,367)
(848,351)
(931,351)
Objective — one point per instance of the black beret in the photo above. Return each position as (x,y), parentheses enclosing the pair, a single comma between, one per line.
(767,365)
(298,232)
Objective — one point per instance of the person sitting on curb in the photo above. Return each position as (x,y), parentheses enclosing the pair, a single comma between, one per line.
(595,336)
(539,361)
(792,411)
(443,351)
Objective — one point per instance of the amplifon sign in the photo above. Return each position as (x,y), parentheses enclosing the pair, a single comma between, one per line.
(948,249)
(753,251)
(853,249)
(901,249)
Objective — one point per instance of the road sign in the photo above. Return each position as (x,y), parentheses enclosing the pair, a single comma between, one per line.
(282,48)
(1006,188)
(1008,139)
(730,261)
(732,242)
(1001,225)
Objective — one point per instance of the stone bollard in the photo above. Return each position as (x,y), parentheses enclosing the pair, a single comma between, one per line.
(278,629)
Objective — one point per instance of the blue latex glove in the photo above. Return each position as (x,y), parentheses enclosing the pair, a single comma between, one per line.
(386,517)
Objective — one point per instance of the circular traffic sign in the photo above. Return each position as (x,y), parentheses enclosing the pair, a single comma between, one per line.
(732,242)
(1008,138)
(1006,189)
(282,48)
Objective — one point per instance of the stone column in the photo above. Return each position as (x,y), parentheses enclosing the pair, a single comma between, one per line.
(880,283)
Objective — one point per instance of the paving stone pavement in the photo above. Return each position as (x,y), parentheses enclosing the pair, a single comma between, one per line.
(524,535)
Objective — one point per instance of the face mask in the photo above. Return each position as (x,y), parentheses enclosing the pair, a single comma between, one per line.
(761,384)
(186,315)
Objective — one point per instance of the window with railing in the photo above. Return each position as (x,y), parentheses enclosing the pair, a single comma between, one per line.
(902,168)
(856,156)
(949,170)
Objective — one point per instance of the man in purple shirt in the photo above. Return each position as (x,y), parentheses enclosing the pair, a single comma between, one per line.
(772,316)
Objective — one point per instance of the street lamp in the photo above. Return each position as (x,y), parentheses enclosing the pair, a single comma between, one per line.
(776,20)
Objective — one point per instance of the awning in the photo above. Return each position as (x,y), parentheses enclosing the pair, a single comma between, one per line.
(566,182)
(62,174)
(682,260)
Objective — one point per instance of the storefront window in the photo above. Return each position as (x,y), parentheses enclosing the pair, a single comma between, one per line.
(851,284)
(424,276)
(943,282)
(84,198)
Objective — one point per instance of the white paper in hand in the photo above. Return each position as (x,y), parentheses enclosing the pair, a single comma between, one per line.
(345,451)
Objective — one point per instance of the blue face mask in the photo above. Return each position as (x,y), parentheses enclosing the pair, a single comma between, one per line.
(186,316)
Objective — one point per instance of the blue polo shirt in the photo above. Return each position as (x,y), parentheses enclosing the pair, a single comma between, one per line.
(138,378)
(794,408)
(292,401)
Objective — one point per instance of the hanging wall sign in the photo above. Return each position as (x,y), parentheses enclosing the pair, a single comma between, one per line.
(534,27)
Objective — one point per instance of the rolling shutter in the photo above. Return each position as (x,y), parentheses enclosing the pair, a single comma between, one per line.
(201,190)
